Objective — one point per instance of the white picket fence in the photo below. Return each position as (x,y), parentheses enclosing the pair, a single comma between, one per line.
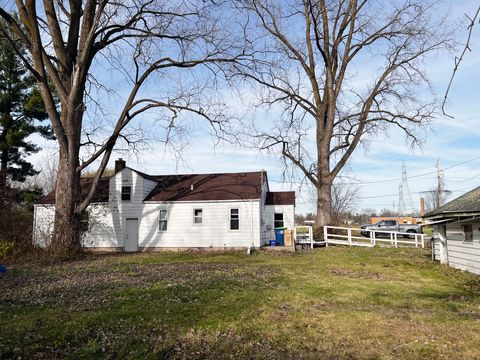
(344,236)
(303,237)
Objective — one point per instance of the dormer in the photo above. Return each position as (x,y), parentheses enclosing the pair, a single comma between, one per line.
(128,185)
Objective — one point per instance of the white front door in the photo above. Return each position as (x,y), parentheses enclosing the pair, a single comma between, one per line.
(131,235)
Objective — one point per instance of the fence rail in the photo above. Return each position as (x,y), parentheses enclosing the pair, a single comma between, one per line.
(304,236)
(344,236)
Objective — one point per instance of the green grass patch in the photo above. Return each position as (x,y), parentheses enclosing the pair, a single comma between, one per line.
(333,303)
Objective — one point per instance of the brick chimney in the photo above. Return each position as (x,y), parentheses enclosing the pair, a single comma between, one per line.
(119,165)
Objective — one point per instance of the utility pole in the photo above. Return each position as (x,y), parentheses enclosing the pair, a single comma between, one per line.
(439,185)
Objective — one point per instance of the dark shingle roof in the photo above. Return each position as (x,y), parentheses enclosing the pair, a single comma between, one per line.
(280,198)
(224,186)
(229,186)
(101,195)
(469,202)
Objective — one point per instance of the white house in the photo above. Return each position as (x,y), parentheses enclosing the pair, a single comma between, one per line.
(134,211)
(456,237)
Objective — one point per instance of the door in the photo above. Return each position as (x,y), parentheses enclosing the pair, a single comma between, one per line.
(390,225)
(131,235)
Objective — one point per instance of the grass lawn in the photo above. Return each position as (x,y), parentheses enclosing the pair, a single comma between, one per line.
(334,303)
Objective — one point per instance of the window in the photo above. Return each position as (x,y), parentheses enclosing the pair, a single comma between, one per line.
(467,233)
(198,216)
(278,220)
(390,223)
(234,219)
(126,192)
(162,220)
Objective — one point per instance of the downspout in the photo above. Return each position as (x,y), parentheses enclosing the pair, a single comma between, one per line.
(251,228)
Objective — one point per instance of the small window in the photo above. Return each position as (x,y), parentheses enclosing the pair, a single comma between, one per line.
(467,233)
(126,192)
(234,219)
(162,220)
(278,220)
(198,216)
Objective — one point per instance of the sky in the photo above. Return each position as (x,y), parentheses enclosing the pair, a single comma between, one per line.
(376,169)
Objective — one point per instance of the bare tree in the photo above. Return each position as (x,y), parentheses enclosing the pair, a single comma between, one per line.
(344,200)
(336,73)
(145,38)
(434,198)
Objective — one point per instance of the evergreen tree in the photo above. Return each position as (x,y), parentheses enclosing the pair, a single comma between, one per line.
(21,110)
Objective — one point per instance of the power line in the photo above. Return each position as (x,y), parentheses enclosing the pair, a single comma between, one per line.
(358,182)
(417,192)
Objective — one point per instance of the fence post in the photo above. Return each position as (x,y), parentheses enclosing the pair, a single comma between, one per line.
(423,241)
(395,236)
(374,237)
(349,234)
(325,236)
(391,238)
(416,240)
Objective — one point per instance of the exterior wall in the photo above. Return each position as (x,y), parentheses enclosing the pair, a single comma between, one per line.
(106,225)
(213,233)
(43,216)
(106,228)
(458,253)
(111,222)
(288,219)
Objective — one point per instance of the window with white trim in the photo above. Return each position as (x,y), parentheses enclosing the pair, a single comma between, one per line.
(198,216)
(278,220)
(162,220)
(234,219)
(126,193)
(467,233)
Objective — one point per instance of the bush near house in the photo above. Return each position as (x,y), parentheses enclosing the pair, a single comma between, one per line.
(334,303)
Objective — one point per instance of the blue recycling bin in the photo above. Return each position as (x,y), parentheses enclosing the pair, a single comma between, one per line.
(280,235)
(271,243)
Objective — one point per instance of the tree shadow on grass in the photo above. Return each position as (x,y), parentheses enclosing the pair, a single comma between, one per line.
(125,308)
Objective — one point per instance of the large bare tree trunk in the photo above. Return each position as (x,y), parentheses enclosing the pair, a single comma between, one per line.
(66,234)
(324,187)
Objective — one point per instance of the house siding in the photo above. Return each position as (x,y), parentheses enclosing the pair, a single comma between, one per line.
(460,254)
(106,226)
(288,219)
(43,224)
(106,221)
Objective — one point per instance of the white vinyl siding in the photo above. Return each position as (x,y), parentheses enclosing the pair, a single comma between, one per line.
(106,226)
(288,212)
(461,253)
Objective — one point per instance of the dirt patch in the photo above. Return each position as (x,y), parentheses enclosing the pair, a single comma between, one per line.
(82,285)
(360,274)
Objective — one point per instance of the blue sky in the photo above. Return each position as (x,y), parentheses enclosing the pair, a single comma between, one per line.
(452,141)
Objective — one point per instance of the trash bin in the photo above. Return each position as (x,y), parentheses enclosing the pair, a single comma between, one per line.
(280,235)
(271,243)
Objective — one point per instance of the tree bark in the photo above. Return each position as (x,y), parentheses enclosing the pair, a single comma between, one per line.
(324,194)
(66,234)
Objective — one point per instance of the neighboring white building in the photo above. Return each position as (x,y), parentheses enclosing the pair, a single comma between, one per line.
(134,211)
(456,237)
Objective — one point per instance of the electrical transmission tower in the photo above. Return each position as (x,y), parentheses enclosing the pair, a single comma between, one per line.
(404,192)
(440,192)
